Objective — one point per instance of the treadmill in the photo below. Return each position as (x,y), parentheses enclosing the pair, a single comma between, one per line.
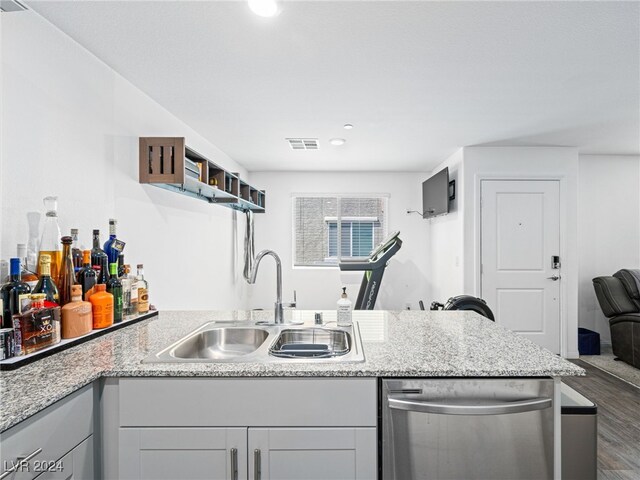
(373,268)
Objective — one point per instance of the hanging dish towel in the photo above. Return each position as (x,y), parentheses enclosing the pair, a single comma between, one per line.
(249,249)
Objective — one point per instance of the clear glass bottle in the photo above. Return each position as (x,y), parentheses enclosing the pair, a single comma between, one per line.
(50,240)
(46,284)
(99,258)
(29,277)
(133,296)
(33,244)
(143,290)
(67,272)
(114,287)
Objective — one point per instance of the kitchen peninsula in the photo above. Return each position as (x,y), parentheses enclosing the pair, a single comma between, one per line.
(396,344)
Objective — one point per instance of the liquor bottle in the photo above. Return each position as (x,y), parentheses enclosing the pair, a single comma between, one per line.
(133,297)
(14,294)
(102,307)
(121,265)
(33,244)
(126,292)
(67,272)
(76,253)
(50,241)
(76,315)
(28,277)
(143,290)
(46,284)
(99,258)
(114,287)
(113,247)
(86,276)
(38,327)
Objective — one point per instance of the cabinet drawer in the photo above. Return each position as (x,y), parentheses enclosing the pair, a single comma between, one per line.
(183,402)
(56,430)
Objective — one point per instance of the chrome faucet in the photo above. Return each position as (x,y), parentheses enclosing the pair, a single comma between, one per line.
(279,315)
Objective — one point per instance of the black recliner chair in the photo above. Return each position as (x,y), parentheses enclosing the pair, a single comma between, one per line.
(619,298)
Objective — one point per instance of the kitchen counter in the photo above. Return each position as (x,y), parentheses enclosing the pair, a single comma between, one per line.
(396,344)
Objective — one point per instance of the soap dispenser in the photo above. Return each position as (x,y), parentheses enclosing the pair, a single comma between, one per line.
(344,310)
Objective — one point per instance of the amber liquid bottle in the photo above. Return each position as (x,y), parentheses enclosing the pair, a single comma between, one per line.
(102,306)
(67,273)
(38,327)
(46,284)
(76,315)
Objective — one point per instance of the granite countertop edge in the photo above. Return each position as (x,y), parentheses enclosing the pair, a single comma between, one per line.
(119,354)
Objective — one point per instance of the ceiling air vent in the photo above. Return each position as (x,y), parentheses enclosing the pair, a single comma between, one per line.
(303,143)
(11,6)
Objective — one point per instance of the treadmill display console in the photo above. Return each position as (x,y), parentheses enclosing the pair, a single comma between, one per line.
(373,268)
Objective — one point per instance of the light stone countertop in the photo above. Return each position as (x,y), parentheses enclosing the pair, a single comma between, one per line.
(396,344)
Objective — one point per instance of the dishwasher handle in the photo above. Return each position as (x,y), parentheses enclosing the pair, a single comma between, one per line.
(498,408)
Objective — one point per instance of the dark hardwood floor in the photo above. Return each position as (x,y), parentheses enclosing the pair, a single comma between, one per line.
(618,421)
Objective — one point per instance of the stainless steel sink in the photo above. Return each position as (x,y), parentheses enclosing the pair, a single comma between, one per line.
(243,342)
(221,343)
(311,342)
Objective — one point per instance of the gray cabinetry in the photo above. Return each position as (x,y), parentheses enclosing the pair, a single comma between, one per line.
(312,453)
(184,453)
(52,442)
(75,465)
(271,429)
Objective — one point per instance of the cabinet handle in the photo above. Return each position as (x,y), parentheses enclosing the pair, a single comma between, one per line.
(234,464)
(256,464)
(21,460)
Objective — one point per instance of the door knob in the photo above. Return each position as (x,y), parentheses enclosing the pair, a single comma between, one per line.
(555,278)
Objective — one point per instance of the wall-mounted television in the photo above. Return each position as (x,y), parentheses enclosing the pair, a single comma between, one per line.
(435,194)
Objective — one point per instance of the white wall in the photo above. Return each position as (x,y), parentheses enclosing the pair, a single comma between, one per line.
(70,127)
(406,277)
(527,162)
(445,233)
(608,227)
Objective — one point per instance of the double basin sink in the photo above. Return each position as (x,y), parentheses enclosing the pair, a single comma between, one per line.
(221,342)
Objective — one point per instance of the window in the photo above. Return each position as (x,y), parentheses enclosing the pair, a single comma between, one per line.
(356,240)
(328,229)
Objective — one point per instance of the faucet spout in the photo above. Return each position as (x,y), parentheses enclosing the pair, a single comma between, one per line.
(279,315)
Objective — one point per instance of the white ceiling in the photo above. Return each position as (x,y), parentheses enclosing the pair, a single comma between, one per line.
(417,79)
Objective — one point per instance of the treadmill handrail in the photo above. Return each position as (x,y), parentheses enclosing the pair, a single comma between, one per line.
(371,264)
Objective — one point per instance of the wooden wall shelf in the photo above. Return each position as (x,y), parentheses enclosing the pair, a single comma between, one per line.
(168,163)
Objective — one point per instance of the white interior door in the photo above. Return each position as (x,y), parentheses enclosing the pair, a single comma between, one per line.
(520,228)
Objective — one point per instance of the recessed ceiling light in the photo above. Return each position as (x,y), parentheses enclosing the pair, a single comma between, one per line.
(337,141)
(348,126)
(264,8)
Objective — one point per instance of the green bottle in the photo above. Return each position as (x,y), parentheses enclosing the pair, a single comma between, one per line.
(114,287)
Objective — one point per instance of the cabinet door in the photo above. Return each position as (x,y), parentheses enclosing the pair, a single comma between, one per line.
(183,453)
(75,465)
(312,453)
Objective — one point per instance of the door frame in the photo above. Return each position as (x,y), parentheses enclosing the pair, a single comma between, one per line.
(477,239)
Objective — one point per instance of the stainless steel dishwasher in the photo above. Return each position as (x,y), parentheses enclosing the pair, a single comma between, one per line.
(467,429)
